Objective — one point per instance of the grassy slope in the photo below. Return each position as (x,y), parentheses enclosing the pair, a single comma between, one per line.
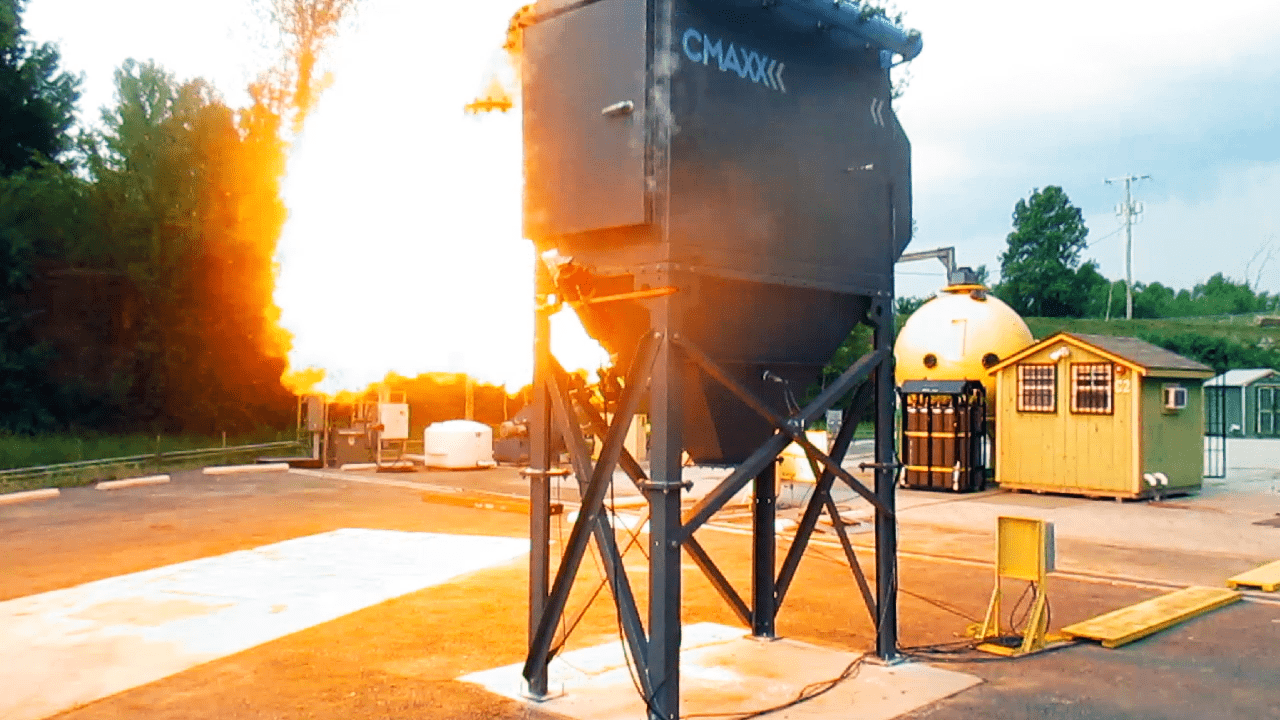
(1241,329)
(18,451)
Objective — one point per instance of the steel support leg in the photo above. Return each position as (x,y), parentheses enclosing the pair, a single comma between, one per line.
(764,595)
(886,523)
(665,529)
(540,433)
(591,520)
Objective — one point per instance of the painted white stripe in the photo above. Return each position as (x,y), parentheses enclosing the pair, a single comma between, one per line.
(231,469)
(28,496)
(132,482)
(72,646)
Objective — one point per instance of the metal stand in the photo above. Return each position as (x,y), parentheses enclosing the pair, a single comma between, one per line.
(1024,551)
(659,361)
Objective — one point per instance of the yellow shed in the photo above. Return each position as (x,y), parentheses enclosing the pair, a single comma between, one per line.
(1098,415)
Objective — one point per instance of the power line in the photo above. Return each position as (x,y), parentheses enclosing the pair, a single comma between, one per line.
(1104,237)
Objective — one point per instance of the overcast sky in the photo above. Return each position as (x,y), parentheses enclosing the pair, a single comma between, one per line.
(1012,95)
(1007,96)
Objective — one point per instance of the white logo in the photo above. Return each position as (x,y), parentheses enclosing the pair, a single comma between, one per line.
(748,64)
(877,111)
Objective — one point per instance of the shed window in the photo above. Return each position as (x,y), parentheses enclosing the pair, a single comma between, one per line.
(1037,388)
(1091,388)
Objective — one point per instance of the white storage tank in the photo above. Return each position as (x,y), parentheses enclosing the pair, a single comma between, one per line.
(458,445)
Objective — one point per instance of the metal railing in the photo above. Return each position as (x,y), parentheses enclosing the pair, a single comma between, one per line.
(156,458)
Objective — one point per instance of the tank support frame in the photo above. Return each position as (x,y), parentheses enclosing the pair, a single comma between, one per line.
(656,370)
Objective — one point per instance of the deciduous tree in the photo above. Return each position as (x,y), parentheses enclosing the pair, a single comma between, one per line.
(1040,272)
(37,98)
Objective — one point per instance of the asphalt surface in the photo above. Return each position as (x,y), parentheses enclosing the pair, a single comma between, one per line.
(400,659)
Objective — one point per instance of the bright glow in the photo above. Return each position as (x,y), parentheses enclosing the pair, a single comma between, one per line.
(402,252)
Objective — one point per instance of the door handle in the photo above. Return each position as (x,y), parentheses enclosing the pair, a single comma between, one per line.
(625,107)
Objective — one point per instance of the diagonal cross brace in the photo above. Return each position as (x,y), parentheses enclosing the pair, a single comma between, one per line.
(697,553)
(768,452)
(718,581)
(822,490)
(854,565)
(785,426)
(582,612)
(590,519)
(596,524)
(600,428)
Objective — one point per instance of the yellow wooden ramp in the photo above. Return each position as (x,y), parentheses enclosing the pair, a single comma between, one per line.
(1266,578)
(1125,625)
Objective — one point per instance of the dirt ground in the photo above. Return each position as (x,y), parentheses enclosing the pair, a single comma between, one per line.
(400,659)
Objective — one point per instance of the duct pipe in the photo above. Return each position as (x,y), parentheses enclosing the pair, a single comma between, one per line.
(848,16)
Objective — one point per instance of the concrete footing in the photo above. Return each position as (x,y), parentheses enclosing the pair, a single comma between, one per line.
(724,671)
(29,496)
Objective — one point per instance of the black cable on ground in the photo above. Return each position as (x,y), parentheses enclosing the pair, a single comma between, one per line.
(1014,625)
(960,651)
(941,605)
(808,692)
(566,632)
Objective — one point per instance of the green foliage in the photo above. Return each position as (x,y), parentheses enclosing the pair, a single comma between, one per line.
(22,450)
(903,307)
(1222,345)
(37,99)
(136,289)
(1219,353)
(857,344)
(40,213)
(1040,272)
(22,386)
(139,297)
(188,190)
(1217,296)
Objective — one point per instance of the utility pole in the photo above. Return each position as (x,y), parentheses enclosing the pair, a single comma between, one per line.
(1128,212)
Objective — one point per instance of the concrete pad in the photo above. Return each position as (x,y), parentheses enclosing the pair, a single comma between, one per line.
(29,495)
(725,671)
(72,646)
(132,482)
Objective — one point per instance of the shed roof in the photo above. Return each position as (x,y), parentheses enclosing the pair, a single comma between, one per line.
(1140,354)
(1237,378)
(939,387)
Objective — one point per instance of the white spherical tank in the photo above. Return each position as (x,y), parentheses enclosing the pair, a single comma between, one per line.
(958,335)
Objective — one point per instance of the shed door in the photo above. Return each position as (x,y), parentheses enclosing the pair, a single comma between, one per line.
(1215,431)
(1267,410)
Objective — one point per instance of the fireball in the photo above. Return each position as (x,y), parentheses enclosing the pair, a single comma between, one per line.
(403,250)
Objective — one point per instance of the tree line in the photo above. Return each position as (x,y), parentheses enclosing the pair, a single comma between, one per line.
(1043,274)
(136,254)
